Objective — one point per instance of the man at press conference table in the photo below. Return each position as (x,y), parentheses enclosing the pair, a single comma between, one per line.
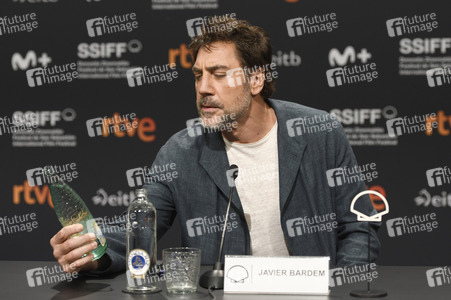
(282,175)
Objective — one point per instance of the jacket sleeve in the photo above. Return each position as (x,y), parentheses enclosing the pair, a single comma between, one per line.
(352,235)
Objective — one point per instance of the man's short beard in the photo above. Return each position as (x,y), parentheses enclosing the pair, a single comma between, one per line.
(237,111)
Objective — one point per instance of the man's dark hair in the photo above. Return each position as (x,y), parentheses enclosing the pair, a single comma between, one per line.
(252,44)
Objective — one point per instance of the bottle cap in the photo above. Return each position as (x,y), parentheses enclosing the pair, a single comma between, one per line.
(141,193)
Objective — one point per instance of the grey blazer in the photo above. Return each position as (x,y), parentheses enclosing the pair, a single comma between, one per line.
(200,192)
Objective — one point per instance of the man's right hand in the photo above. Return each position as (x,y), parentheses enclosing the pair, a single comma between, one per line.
(69,251)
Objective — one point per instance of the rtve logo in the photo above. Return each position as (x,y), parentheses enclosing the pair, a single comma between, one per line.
(145,128)
(31,195)
(184,56)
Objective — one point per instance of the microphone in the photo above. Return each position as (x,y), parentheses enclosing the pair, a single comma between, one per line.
(215,278)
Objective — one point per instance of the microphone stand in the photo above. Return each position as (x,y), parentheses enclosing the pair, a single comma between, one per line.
(368,293)
(215,278)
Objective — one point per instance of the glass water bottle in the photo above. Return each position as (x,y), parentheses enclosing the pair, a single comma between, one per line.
(141,245)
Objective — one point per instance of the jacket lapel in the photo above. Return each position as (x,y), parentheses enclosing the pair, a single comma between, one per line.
(215,162)
(290,152)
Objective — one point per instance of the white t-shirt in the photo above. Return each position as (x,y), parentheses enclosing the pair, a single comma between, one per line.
(257,185)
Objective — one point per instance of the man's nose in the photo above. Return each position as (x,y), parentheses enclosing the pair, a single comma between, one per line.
(204,87)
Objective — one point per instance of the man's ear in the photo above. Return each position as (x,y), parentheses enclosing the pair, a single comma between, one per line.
(256,82)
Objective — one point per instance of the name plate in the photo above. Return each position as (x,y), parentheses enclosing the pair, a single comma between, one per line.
(245,274)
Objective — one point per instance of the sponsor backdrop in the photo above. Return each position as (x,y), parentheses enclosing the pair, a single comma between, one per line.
(96,87)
